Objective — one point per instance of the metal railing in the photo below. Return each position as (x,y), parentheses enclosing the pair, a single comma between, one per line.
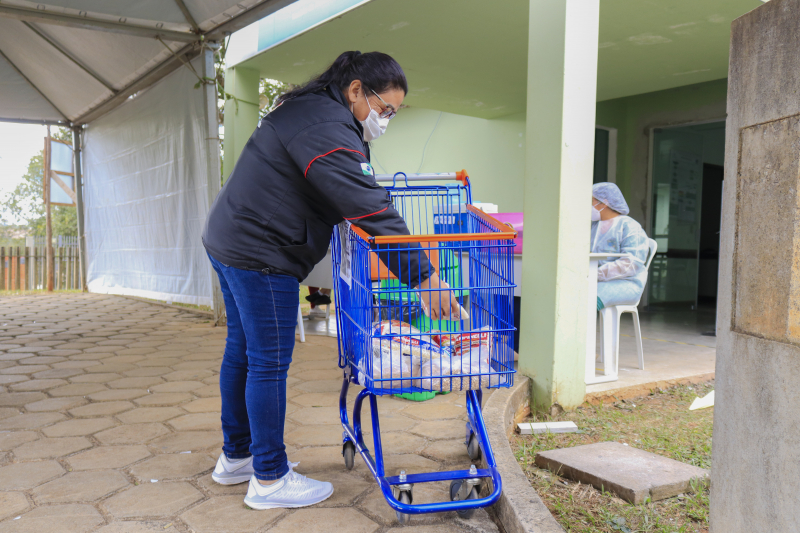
(59,241)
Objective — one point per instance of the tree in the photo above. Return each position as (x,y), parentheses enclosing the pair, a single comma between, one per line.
(269,92)
(26,201)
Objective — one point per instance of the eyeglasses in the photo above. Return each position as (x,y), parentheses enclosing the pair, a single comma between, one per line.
(389,112)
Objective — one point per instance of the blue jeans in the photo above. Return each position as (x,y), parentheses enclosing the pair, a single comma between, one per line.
(262,316)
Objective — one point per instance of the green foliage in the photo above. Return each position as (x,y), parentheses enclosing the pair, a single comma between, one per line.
(12,236)
(268,93)
(26,201)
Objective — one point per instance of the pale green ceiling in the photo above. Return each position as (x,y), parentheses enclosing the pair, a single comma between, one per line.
(470,56)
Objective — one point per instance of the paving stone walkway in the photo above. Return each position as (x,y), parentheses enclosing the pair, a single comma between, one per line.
(109,422)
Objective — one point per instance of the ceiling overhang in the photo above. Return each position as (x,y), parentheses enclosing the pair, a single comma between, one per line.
(470,57)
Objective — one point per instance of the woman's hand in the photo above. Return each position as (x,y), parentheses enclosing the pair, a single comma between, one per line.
(439,304)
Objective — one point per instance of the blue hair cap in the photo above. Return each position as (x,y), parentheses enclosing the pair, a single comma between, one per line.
(609,194)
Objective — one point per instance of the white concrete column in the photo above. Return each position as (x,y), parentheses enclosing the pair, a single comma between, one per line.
(562,86)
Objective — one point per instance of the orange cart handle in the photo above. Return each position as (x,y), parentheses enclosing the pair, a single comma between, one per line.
(502,234)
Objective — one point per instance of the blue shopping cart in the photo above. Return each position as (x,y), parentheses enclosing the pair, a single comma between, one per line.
(388,345)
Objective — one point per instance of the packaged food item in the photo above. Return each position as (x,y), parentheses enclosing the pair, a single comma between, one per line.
(393,336)
(477,344)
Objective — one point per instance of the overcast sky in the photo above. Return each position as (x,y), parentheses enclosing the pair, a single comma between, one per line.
(18,143)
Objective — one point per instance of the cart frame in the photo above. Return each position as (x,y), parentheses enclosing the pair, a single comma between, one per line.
(466,485)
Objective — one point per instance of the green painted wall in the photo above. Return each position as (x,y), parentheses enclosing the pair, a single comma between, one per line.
(492,151)
(241,113)
(634,116)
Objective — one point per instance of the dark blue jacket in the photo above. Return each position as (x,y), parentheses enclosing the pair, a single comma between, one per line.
(304,170)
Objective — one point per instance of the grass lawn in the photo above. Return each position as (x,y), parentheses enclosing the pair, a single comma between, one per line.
(660,423)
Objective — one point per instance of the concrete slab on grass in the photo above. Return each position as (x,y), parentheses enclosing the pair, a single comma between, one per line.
(633,475)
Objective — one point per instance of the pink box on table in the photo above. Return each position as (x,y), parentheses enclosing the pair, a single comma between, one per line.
(515,221)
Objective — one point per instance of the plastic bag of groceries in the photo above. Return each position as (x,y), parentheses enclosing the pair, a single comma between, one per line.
(393,337)
(431,371)
(457,373)
(392,371)
(482,374)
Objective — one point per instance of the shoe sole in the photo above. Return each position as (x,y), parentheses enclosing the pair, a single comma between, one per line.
(231,480)
(265,506)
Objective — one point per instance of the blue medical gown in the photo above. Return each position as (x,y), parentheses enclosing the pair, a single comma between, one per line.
(620,281)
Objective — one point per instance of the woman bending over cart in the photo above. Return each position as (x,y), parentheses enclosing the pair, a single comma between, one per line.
(304,170)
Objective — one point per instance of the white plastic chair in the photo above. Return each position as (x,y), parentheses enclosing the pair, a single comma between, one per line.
(301,328)
(610,320)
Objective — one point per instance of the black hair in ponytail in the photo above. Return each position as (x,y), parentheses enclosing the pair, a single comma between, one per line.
(378,71)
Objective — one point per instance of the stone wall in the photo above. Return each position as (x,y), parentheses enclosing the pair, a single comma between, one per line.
(756,457)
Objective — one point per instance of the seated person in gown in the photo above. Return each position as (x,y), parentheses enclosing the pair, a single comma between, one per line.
(620,281)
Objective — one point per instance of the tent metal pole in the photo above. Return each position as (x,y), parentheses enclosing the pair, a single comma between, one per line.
(213,171)
(34,86)
(49,256)
(188,16)
(77,149)
(70,56)
(63,19)
(34,121)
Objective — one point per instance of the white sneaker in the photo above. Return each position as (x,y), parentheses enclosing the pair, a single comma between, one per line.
(290,491)
(232,472)
(317,312)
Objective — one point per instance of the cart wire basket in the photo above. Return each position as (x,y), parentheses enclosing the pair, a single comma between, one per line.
(390,345)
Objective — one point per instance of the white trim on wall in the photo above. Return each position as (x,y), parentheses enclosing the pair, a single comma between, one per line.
(612,152)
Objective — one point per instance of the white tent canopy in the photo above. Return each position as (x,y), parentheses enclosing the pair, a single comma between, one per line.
(123,74)
(70,61)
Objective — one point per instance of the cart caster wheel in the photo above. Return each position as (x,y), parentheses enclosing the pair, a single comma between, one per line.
(474,448)
(455,487)
(405,497)
(349,452)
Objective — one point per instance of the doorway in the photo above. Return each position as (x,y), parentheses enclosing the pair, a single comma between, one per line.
(687,174)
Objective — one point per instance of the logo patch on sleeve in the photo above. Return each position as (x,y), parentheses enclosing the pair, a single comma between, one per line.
(366,169)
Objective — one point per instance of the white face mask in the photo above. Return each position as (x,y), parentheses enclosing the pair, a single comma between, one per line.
(596,213)
(374,126)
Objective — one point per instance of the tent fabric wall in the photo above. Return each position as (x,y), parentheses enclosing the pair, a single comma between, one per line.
(147,194)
